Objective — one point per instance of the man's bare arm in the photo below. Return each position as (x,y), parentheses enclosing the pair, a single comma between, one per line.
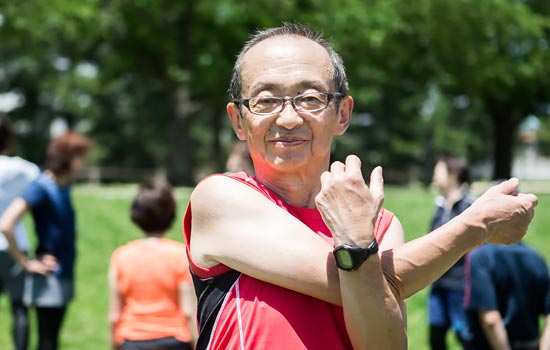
(495,217)
(494,330)
(15,211)
(235,225)
(350,209)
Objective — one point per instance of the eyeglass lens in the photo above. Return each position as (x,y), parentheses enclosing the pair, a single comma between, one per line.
(269,104)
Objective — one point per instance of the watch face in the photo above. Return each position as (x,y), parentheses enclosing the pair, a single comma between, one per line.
(344,258)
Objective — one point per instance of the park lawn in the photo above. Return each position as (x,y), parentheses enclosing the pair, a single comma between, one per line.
(104,224)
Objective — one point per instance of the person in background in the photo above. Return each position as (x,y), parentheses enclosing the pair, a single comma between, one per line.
(49,286)
(152,301)
(15,175)
(446,299)
(507,291)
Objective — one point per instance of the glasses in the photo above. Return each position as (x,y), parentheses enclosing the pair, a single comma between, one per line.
(267,105)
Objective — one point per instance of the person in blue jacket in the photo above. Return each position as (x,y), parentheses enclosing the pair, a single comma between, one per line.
(446,299)
(49,286)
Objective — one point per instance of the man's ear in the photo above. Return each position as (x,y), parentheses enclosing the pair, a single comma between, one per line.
(234,114)
(344,115)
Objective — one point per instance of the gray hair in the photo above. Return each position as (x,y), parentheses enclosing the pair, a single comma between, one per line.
(289,28)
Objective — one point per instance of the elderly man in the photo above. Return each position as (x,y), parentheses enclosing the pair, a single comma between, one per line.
(303,256)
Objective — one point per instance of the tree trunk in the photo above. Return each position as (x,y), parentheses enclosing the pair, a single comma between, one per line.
(180,167)
(180,158)
(219,156)
(504,129)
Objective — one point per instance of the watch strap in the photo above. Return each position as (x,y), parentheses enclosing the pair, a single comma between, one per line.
(359,255)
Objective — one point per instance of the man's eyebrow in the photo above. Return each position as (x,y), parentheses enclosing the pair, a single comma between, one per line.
(262,87)
(303,85)
(313,84)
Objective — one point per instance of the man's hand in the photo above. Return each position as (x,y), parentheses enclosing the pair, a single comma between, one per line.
(347,205)
(506,216)
(43,265)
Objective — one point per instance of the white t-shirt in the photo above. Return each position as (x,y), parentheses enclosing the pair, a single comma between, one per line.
(15,175)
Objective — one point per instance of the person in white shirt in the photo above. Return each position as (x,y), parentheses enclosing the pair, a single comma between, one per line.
(15,175)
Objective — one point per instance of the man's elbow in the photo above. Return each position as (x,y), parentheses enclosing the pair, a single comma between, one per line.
(490,319)
(6,228)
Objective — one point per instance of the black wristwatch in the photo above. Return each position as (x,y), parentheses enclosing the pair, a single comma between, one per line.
(349,257)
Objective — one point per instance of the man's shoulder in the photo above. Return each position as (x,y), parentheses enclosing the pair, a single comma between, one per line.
(16,166)
(42,185)
(224,178)
(217,185)
(468,198)
(439,201)
(16,161)
(121,250)
(230,188)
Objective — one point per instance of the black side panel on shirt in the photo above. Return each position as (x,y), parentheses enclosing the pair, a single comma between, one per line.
(211,293)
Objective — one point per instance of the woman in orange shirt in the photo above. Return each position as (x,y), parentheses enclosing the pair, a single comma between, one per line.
(152,302)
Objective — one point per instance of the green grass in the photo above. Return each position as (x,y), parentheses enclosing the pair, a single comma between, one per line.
(104,224)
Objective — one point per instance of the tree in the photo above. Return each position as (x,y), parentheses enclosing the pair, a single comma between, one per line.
(497,51)
(493,55)
(43,59)
(147,79)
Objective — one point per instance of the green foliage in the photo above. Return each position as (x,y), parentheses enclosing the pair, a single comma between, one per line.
(148,79)
(544,137)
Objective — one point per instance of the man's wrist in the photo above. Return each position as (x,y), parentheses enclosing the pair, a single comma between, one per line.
(349,257)
(361,240)
(475,227)
(23,260)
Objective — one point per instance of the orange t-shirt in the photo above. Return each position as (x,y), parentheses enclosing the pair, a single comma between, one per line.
(149,273)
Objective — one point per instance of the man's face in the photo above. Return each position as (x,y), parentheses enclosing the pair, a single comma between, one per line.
(287,66)
(442,179)
(441,176)
(78,165)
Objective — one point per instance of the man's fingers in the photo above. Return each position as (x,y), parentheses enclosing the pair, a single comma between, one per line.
(325,179)
(530,198)
(36,266)
(337,168)
(377,182)
(506,187)
(353,165)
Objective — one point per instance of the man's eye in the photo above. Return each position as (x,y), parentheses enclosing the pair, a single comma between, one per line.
(265,101)
(309,98)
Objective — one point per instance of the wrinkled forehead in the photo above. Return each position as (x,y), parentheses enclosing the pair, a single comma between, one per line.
(286,64)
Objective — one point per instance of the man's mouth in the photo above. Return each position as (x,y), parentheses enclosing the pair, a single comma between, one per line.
(288,141)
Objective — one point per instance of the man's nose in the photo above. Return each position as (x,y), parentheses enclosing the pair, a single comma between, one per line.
(288,117)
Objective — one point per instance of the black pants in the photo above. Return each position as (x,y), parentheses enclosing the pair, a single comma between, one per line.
(20,325)
(49,326)
(167,343)
(437,338)
(12,283)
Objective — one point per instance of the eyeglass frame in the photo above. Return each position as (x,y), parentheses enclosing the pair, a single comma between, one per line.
(330,96)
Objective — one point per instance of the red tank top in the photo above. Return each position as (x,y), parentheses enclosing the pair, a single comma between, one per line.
(236,311)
